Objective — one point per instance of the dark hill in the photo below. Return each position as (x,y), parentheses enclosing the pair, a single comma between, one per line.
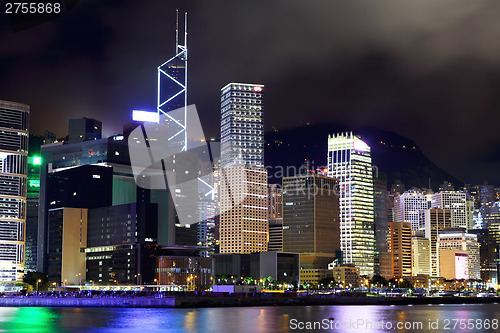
(399,157)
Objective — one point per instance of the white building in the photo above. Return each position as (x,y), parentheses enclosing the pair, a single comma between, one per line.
(461,214)
(13,173)
(242,125)
(407,208)
(420,256)
(349,160)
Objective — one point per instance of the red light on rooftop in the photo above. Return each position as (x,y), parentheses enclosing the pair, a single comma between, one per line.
(257,89)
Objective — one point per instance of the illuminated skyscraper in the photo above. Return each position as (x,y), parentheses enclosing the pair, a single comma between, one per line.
(243,218)
(399,247)
(242,125)
(349,160)
(13,178)
(244,208)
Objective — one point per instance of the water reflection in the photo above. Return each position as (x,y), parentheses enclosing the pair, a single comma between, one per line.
(39,320)
(240,320)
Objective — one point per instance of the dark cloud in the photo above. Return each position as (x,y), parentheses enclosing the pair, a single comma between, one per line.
(426,69)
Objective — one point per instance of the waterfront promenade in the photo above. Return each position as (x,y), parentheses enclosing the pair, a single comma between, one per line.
(184,301)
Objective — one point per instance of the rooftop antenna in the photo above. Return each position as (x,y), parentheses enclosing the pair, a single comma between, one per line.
(176,29)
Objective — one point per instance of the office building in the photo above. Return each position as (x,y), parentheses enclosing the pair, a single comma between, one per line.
(399,247)
(490,219)
(349,161)
(32,201)
(453,264)
(346,275)
(487,194)
(184,272)
(311,222)
(381,199)
(13,166)
(205,228)
(243,226)
(458,240)
(69,168)
(84,129)
(435,220)
(243,220)
(275,235)
(420,255)
(275,199)
(311,214)
(488,255)
(274,213)
(242,125)
(457,203)
(407,207)
(67,229)
(281,266)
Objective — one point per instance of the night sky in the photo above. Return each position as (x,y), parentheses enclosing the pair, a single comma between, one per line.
(428,70)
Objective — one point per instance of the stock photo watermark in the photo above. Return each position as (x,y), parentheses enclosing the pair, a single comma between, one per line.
(167,155)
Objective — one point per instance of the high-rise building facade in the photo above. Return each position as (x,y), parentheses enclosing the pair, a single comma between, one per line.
(453,264)
(349,161)
(84,129)
(14,119)
(420,255)
(399,246)
(488,254)
(434,221)
(464,242)
(457,202)
(242,125)
(32,201)
(275,199)
(381,200)
(243,190)
(407,207)
(311,223)
(243,219)
(275,211)
(311,215)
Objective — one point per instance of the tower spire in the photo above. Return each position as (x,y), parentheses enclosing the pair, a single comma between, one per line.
(172,88)
(176,30)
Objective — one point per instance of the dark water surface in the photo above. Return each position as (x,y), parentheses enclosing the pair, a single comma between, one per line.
(417,318)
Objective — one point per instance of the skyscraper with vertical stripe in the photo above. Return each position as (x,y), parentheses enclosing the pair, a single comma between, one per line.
(242,125)
(243,224)
(13,186)
(349,160)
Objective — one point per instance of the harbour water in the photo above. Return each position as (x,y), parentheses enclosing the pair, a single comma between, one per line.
(416,318)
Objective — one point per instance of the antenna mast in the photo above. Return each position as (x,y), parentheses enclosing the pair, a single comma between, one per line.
(172,89)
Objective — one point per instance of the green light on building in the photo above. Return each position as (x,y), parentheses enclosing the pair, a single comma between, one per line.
(34,183)
(36,160)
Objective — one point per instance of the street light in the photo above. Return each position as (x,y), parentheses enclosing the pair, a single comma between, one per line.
(37,282)
(80,275)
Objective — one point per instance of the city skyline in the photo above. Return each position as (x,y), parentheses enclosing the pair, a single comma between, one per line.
(116,69)
(316,154)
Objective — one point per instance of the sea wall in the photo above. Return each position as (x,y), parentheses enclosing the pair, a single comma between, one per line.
(231,301)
